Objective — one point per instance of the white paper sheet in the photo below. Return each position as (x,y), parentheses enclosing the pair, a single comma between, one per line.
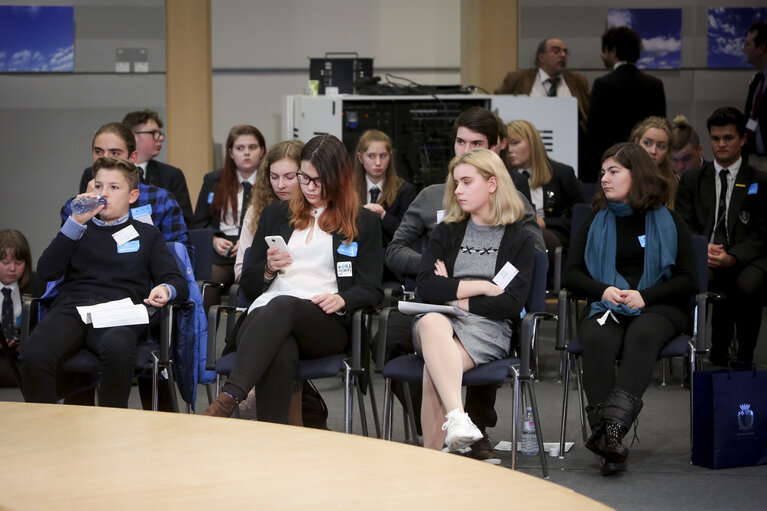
(413,308)
(116,313)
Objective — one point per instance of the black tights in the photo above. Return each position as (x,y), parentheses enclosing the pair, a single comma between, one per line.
(638,338)
(269,344)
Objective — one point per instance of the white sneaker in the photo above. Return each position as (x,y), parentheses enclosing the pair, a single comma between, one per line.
(461,432)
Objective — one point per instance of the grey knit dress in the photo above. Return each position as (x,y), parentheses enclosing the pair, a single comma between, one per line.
(484,339)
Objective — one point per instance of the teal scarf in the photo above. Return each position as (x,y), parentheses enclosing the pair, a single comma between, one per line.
(601,247)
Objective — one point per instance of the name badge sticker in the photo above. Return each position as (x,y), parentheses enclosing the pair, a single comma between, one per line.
(130,246)
(344,268)
(753,189)
(505,275)
(440,215)
(751,125)
(142,214)
(123,236)
(642,240)
(210,197)
(348,250)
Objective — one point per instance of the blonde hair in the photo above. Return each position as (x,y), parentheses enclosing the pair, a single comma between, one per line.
(665,168)
(505,204)
(540,167)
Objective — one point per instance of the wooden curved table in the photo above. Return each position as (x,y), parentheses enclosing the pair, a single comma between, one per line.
(71,457)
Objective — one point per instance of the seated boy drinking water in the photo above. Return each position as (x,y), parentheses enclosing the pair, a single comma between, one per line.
(102,255)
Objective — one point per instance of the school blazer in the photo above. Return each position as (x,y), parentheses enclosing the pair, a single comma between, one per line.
(746,217)
(362,289)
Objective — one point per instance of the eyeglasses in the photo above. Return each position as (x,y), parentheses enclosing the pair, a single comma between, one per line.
(305,179)
(156,134)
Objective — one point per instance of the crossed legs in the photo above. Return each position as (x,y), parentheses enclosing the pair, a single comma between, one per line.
(445,362)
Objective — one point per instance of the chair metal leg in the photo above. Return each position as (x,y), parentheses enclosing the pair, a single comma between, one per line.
(565,398)
(155,377)
(538,429)
(410,412)
(348,404)
(581,401)
(515,418)
(209,388)
(361,401)
(376,418)
(387,410)
(663,372)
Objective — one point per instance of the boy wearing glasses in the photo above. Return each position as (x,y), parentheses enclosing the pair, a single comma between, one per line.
(147,128)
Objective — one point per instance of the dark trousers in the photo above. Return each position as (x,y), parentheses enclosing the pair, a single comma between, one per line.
(480,401)
(270,342)
(637,338)
(62,333)
(742,310)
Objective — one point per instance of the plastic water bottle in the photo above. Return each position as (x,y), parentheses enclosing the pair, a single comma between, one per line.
(82,205)
(529,438)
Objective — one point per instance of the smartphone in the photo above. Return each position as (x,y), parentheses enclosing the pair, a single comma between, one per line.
(277,241)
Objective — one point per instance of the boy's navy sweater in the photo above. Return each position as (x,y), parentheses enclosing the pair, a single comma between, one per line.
(95,272)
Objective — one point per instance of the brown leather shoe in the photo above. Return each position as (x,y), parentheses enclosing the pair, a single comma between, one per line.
(222,406)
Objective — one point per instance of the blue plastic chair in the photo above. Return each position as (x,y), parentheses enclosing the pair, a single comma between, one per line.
(350,364)
(409,368)
(689,344)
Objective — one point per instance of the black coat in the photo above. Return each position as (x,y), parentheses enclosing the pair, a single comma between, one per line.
(619,100)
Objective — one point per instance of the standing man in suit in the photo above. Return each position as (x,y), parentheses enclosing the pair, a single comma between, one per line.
(724,201)
(550,78)
(147,128)
(755,49)
(621,98)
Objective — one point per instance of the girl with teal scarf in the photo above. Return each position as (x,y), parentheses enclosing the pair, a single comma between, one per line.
(634,263)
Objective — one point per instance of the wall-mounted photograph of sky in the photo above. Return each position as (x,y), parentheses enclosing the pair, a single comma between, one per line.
(661,33)
(36,38)
(727,30)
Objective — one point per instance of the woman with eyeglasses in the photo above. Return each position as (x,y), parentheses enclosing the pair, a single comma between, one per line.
(305,295)
(223,199)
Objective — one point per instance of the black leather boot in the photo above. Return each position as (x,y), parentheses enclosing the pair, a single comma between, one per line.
(618,413)
(594,416)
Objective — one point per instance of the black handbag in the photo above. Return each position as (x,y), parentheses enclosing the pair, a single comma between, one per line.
(729,418)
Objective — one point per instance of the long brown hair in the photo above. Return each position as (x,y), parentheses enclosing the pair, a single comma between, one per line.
(392,182)
(225,195)
(14,244)
(665,168)
(328,155)
(648,190)
(263,193)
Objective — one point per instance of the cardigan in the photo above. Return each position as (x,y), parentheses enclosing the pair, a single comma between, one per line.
(517,247)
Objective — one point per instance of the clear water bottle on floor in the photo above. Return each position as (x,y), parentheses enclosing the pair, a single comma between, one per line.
(82,205)
(529,438)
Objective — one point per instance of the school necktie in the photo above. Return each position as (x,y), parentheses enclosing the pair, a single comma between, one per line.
(526,174)
(374,193)
(720,231)
(552,86)
(140,174)
(246,187)
(758,92)
(7,314)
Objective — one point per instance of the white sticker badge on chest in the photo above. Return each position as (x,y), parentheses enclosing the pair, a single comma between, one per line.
(344,268)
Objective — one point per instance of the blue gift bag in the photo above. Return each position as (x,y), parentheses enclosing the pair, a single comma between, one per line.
(729,418)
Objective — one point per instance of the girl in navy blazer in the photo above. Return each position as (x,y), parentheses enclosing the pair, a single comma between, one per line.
(303,296)
(374,167)
(554,188)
